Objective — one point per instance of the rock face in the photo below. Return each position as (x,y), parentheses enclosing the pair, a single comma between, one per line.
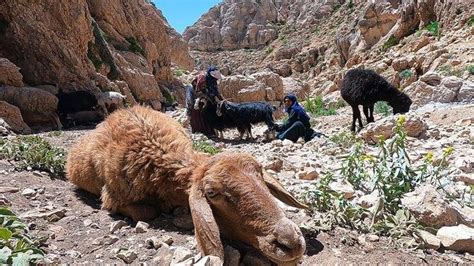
(261,86)
(69,43)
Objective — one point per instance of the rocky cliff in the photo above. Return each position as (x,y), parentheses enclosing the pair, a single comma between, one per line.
(94,45)
(316,42)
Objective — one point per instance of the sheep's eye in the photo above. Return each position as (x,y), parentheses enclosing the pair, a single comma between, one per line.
(211,193)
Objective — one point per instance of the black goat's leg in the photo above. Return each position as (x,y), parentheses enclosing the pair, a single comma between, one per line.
(366,112)
(371,112)
(355,116)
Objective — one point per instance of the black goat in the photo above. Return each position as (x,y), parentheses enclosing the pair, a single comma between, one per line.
(365,87)
(76,101)
(243,115)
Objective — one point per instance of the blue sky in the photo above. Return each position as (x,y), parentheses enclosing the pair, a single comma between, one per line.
(183,13)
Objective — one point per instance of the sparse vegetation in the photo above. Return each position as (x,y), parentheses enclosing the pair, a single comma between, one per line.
(470,69)
(96,61)
(33,152)
(269,50)
(392,41)
(206,147)
(405,74)
(449,70)
(17,246)
(316,107)
(391,175)
(344,139)
(382,108)
(470,21)
(350,4)
(178,72)
(135,46)
(433,28)
(55,134)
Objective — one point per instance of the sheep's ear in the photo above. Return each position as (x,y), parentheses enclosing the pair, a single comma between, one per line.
(279,192)
(205,226)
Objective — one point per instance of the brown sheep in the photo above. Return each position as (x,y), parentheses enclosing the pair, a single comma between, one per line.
(141,161)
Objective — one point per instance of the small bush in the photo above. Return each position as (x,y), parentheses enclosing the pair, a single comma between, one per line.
(269,50)
(135,46)
(178,72)
(382,108)
(344,139)
(316,107)
(448,70)
(470,69)
(405,74)
(470,21)
(336,7)
(203,146)
(55,134)
(392,41)
(17,247)
(35,153)
(433,28)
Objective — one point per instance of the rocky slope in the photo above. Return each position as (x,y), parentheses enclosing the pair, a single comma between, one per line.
(123,46)
(316,42)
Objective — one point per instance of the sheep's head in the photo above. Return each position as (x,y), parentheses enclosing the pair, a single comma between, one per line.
(232,195)
(401,104)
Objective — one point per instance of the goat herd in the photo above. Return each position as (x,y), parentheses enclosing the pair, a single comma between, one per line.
(141,162)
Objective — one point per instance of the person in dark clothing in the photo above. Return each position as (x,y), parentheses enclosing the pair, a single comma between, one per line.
(212,91)
(204,85)
(297,124)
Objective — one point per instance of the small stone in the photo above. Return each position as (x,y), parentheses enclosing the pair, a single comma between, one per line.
(114,226)
(87,222)
(181,254)
(9,189)
(343,187)
(128,256)
(105,240)
(164,255)
(373,238)
(287,142)
(28,192)
(167,239)
(309,173)
(430,241)
(141,227)
(153,242)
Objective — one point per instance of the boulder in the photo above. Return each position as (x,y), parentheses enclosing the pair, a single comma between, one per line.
(414,127)
(12,116)
(298,88)
(429,207)
(10,74)
(459,238)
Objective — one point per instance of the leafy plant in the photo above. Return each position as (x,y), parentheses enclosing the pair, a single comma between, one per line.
(178,72)
(390,174)
(382,108)
(470,21)
(433,28)
(316,107)
(392,41)
(345,139)
(448,70)
(470,69)
(405,74)
(269,50)
(35,153)
(17,247)
(203,146)
(135,46)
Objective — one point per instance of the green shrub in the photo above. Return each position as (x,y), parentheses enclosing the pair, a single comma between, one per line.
(55,134)
(392,41)
(470,69)
(269,50)
(433,28)
(344,139)
(316,107)
(204,146)
(336,7)
(350,4)
(389,172)
(448,70)
(135,46)
(470,21)
(178,72)
(382,108)
(35,153)
(16,246)
(405,74)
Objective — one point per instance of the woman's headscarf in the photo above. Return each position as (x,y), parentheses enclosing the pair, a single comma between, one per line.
(296,107)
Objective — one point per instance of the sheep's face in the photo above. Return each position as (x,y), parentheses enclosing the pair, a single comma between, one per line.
(239,193)
(402,105)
